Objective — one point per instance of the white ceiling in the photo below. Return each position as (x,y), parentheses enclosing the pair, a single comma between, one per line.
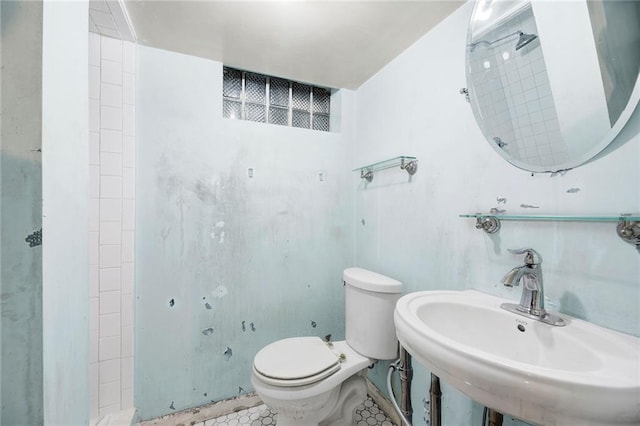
(338,44)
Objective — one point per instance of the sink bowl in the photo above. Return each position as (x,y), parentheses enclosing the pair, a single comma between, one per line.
(579,374)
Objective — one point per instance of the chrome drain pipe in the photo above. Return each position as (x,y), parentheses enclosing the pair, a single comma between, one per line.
(435,395)
(406,376)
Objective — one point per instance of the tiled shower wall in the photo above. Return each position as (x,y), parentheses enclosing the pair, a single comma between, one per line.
(111,221)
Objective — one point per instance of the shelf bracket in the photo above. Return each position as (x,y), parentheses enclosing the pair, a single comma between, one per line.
(406,163)
(366,175)
(489,224)
(629,231)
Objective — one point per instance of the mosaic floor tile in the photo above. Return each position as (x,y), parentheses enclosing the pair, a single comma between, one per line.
(367,414)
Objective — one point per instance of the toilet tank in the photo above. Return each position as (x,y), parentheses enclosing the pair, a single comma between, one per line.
(370,300)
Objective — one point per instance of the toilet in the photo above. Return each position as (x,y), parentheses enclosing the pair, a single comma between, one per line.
(308,381)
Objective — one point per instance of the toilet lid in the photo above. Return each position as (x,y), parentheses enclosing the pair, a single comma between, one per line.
(295,359)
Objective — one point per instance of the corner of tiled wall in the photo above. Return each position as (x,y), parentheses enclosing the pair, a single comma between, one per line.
(112,81)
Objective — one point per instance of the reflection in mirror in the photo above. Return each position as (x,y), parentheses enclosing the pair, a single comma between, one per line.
(552,83)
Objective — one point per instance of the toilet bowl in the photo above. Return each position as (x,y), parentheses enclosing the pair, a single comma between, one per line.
(308,381)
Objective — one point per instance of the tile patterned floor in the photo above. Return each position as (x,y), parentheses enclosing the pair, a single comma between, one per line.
(367,414)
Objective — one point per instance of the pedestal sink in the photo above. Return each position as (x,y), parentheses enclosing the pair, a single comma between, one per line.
(579,374)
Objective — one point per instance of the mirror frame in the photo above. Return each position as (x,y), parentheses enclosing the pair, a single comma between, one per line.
(589,155)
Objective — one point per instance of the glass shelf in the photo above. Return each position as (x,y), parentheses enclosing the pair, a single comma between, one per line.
(405,162)
(628,227)
(559,218)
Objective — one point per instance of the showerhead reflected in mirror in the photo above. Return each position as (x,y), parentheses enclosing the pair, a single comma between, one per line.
(524,39)
(552,83)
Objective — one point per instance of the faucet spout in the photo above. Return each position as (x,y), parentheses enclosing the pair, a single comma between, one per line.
(513,277)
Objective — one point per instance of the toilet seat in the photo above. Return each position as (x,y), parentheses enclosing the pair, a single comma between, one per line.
(296,361)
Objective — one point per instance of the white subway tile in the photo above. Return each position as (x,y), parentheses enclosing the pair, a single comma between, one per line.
(94,313)
(94,82)
(128,120)
(94,115)
(110,209)
(94,49)
(109,348)
(129,151)
(93,390)
(110,233)
(110,117)
(94,181)
(110,302)
(128,88)
(94,281)
(94,148)
(111,164)
(128,214)
(128,57)
(109,256)
(109,394)
(126,372)
(109,31)
(94,214)
(127,341)
(109,371)
(128,182)
(94,244)
(110,140)
(110,95)
(111,72)
(109,279)
(109,325)
(126,309)
(93,346)
(111,48)
(109,409)
(110,187)
(127,278)
(127,399)
(128,246)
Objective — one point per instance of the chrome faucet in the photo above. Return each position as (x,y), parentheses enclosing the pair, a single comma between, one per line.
(532,300)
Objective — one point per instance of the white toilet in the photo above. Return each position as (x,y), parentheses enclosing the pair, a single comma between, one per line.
(311,382)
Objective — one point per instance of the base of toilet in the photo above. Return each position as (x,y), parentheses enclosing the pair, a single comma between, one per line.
(333,408)
(352,393)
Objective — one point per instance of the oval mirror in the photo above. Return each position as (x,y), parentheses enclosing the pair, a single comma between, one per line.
(551,83)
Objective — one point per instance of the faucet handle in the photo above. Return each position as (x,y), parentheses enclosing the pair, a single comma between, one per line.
(532,257)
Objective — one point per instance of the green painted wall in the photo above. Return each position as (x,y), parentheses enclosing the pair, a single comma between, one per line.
(21,213)
(226,263)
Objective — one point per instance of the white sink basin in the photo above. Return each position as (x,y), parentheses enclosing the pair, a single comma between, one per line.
(579,374)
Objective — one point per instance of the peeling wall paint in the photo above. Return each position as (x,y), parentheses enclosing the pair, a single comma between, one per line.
(219,292)
(34,239)
(233,214)
(588,271)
